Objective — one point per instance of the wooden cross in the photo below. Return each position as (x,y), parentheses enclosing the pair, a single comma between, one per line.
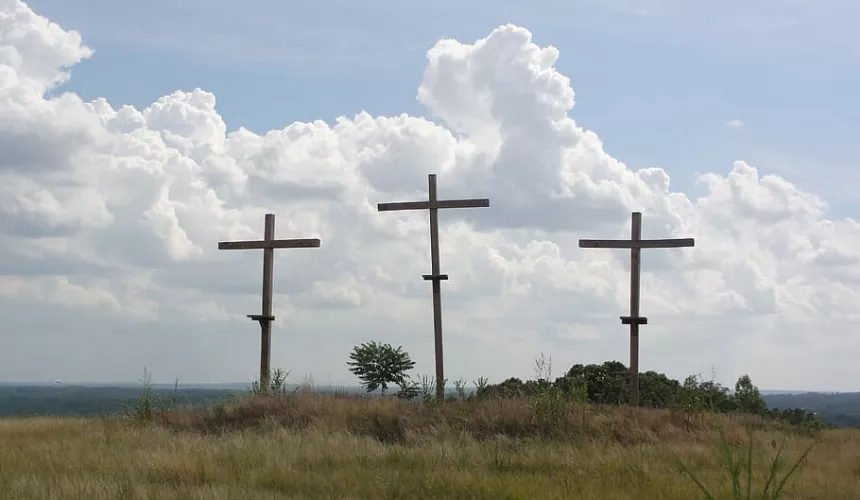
(268,244)
(635,244)
(433,205)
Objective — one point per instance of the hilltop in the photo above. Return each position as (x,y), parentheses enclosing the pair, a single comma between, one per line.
(307,445)
(568,437)
(839,409)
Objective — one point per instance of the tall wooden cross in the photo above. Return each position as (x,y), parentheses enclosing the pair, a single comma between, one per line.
(635,244)
(268,244)
(433,205)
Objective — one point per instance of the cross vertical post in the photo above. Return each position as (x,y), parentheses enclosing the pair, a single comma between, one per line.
(433,205)
(636,244)
(268,244)
(265,322)
(635,266)
(437,287)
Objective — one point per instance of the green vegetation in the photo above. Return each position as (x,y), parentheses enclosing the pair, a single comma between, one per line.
(277,383)
(608,384)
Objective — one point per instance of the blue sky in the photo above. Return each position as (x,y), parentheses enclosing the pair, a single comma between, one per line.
(657,80)
(686,86)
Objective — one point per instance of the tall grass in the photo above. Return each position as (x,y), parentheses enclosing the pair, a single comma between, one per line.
(308,445)
(736,465)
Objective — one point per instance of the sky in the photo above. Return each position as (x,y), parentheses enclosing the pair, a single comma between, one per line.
(135,136)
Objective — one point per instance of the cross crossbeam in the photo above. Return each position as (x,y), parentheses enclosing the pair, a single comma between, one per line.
(427,205)
(436,277)
(263,244)
(268,244)
(636,244)
(673,243)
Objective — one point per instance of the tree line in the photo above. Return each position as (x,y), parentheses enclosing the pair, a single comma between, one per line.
(379,366)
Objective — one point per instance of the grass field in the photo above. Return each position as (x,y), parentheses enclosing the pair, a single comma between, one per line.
(323,446)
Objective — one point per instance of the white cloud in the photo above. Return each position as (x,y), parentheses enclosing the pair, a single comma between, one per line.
(110,218)
(734,123)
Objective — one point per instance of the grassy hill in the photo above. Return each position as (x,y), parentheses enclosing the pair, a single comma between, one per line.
(841,409)
(324,446)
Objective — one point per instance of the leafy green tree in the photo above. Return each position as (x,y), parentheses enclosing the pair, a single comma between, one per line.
(698,395)
(605,384)
(609,383)
(377,365)
(571,389)
(656,390)
(512,387)
(748,398)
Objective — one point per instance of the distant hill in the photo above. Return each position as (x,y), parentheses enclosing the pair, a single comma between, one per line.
(838,408)
(86,400)
(62,400)
(240,386)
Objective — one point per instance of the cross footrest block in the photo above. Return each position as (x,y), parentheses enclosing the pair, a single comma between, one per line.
(435,277)
(261,318)
(629,320)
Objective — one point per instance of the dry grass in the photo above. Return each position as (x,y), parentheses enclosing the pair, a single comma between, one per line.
(315,446)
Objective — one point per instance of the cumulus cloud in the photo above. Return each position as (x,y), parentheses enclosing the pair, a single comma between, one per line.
(109,218)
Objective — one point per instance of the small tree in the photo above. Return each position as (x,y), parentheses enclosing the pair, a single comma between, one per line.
(377,365)
(699,395)
(748,397)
